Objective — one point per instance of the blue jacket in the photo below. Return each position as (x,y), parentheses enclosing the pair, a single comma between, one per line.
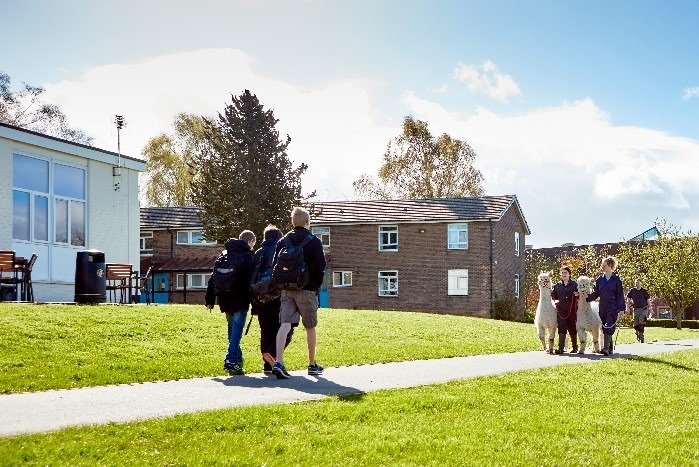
(610,293)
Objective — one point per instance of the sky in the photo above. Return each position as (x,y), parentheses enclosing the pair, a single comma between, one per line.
(587,111)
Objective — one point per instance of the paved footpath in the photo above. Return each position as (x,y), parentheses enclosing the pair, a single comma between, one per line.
(56,409)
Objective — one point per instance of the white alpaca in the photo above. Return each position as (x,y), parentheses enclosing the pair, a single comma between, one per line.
(545,318)
(588,315)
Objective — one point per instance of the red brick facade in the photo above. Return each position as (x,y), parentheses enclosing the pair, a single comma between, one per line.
(423,261)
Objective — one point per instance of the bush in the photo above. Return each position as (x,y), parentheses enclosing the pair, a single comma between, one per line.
(671,323)
(505,308)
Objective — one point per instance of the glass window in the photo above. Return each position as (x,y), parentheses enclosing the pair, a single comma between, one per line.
(197,237)
(194,280)
(342,278)
(457,282)
(61,221)
(182,237)
(388,283)
(41,218)
(516,285)
(20,215)
(457,237)
(192,237)
(388,238)
(516,243)
(77,223)
(323,233)
(30,173)
(68,181)
(146,243)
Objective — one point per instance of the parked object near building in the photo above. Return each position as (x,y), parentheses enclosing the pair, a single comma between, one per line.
(90,277)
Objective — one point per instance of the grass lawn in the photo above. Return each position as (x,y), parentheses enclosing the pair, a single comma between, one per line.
(61,346)
(616,412)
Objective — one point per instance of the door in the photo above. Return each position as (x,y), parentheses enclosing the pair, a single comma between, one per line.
(324,293)
(161,285)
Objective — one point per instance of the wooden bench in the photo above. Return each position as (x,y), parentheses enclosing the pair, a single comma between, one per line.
(119,279)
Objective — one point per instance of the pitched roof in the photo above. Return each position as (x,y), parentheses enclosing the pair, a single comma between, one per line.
(170,217)
(414,210)
(185,263)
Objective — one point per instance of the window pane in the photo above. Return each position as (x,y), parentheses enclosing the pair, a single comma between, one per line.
(182,237)
(30,173)
(61,221)
(41,218)
(337,278)
(148,243)
(347,278)
(180,281)
(196,280)
(20,215)
(68,181)
(197,237)
(77,223)
(462,283)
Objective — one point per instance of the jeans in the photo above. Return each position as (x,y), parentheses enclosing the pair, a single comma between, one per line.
(236,323)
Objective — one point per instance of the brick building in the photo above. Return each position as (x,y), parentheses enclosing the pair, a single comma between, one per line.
(453,255)
(175,254)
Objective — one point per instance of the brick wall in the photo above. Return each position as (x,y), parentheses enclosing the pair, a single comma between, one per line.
(505,261)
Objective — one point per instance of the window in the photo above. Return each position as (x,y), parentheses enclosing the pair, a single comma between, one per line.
(323,233)
(194,281)
(516,243)
(388,238)
(516,285)
(342,278)
(146,243)
(457,282)
(388,283)
(457,237)
(191,237)
(33,202)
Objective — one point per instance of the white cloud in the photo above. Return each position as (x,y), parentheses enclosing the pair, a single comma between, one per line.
(333,126)
(691,92)
(487,80)
(441,89)
(579,177)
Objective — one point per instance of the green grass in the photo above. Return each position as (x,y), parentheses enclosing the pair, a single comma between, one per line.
(59,346)
(616,412)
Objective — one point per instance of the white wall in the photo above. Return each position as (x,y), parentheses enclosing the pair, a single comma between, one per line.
(112,215)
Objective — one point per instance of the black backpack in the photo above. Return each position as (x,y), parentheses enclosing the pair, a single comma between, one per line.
(290,270)
(227,269)
(264,288)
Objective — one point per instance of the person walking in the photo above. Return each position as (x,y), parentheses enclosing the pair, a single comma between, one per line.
(230,284)
(267,307)
(564,293)
(299,265)
(638,296)
(610,292)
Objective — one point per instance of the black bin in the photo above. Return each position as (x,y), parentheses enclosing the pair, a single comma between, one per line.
(90,277)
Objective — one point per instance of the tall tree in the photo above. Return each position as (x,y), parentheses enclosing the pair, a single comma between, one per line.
(666,267)
(25,109)
(247,180)
(171,162)
(418,165)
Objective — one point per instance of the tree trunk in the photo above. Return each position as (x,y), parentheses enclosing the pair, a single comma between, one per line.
(679,320)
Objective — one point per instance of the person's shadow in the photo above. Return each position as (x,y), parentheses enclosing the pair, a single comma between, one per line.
(305,384)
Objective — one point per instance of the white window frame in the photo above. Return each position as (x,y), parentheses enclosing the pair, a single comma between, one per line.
(179,278)
(323,234)
(457,227)
(516,243)
(141,242)
(390,230)
(189,238)
(344,278)
(516,285)
(454,276)
(390,277)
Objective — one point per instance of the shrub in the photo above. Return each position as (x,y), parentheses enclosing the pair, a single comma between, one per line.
(671,323)
(505,308)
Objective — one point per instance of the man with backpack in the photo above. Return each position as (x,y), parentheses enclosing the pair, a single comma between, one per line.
(299,264)
(230,283)
(266,297)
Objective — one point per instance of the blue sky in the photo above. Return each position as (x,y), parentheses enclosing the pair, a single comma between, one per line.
(566,103)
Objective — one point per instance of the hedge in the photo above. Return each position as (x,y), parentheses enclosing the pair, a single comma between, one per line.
(671,323)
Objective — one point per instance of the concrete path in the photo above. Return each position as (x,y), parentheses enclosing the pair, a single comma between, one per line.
(53,410)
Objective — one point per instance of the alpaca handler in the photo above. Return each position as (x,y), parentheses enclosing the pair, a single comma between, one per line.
(610,292)
(566,313)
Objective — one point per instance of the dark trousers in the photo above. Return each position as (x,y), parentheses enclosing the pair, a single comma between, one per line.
(568,325)
(268,318)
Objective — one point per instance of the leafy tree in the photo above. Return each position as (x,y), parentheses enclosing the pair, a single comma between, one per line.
(418,165)
(25,109)
(666,267)
(171,162)
(247,180)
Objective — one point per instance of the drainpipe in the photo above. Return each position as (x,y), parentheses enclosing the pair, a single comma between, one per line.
(490,225)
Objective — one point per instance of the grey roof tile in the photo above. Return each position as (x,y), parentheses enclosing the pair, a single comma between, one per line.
(170,217)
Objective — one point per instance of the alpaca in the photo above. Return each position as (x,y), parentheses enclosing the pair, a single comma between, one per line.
(588,316)
(545,317)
